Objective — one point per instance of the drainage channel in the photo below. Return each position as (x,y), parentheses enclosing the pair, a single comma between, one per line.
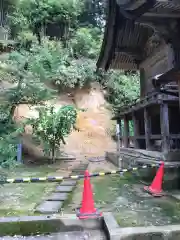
(53,227)
(75,235)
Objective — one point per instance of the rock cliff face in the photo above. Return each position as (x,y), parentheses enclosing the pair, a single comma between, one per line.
(92,139)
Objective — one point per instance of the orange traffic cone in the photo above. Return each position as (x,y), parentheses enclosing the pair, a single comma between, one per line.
(155,189)
(87,209)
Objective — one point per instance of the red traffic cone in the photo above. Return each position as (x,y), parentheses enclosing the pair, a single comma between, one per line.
(156,187)
(87,209)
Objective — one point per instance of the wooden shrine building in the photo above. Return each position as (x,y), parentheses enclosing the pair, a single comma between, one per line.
(144,35)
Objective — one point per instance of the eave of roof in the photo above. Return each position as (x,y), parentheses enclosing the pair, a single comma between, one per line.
(108,35)
(109,57)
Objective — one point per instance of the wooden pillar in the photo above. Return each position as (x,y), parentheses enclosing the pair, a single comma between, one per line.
(164,120)
(142,84)
(179,90)
(146,85)
(126,132)
(136,130)
(119,134)
(147,128)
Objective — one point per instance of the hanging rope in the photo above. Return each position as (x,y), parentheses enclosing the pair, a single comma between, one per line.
(76,177)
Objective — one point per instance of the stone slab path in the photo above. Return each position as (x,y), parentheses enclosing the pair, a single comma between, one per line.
(57,197)
(55,201)
(64,189)
(68,183)
(49,207)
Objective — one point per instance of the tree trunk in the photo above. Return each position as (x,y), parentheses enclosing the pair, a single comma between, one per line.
(11,113)
(53,152)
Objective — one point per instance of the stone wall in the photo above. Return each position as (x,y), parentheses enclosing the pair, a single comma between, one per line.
(115,232)
(70,227)
(114,157)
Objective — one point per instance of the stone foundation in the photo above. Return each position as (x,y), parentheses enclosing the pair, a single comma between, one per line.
(132,157)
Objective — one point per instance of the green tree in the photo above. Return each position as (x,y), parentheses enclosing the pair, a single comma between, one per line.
(38,15)
(53,126)
(86,42)
(122,89)
(65,63)
(27,87)
(93,13)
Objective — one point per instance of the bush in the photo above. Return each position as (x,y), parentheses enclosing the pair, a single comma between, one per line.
(9,138)
(53,126)
(52,63)
(85,43)
(8,152)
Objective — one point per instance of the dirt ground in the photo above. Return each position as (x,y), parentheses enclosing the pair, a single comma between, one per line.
(95,124)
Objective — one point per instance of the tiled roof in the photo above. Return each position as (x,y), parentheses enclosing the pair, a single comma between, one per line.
(166,7)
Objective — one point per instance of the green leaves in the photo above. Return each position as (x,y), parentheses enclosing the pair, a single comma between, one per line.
(37,13)
(41,63)
(53,126)
(122,88)
(49,63)
(85,42)
(29,86)
(77,74)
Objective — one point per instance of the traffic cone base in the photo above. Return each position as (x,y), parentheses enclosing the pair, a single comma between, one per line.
(155,189)
(153,193)
(95,214)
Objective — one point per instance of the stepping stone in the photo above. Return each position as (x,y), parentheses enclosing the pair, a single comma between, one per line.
(64,189)
(58,197)
(68,183)
(78,172)
(79,169)
(49,207)
(83,166)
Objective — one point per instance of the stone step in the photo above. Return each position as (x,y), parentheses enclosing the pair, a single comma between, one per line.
(80,166)
(68,183)
(79,169)
(78,172)
(57,197)
(49,207)
(64,189)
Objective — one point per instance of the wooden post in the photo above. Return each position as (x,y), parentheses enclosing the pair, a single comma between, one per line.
(120,131)
(142,84)
(164,120)
(136,130)
(126,132)
(179,90)
(119,135)
(147,128)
